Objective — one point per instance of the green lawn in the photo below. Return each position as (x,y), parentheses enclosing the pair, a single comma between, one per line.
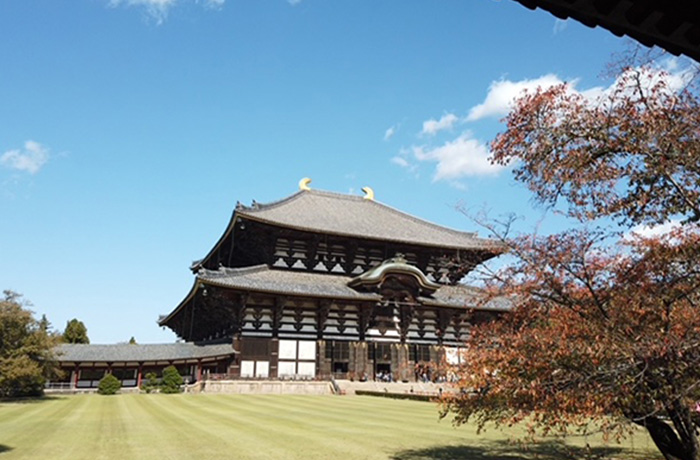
(142,426)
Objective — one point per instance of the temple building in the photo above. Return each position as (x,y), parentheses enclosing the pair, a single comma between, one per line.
(322,284)
(84,365)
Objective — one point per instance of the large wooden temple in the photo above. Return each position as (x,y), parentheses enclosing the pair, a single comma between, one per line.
(320,284)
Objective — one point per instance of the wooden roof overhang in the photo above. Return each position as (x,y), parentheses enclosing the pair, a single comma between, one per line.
(366,220)
(219,313)
(202,311)
(155,363)
(128,355)
(671,25)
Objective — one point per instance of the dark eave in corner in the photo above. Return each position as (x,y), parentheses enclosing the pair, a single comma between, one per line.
(671,25)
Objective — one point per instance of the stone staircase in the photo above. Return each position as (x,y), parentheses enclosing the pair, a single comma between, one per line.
(349,387)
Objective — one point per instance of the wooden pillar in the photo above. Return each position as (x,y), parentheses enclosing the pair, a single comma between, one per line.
(437,356)
(277,312)
(235,368)
(274,357)
(359,365)
(363,320)
(139,375)
(76,375)
(406,313)
(323,364)
(324,308)
(401,365)
(198,375)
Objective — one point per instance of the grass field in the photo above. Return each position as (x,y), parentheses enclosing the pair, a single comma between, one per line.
(140,426)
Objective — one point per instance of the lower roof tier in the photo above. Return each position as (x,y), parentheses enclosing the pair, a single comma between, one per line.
(261,299)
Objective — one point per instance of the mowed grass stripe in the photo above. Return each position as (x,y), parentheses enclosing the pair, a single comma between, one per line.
(366,413)
(225,433)
(47,432)
(153,430)
(258,433)
(305,432)
(175,431)
(371,411)
(245,427)
(317,424)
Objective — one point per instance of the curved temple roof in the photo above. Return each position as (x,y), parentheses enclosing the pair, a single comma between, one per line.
(355,216)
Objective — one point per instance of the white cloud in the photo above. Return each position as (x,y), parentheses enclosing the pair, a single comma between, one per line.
(389,133)
(158,9)
(432,127)
(466,156)
(502,93)
(462,157)
(651,231)
(30,159)
(401,161)
(559,25)
(675,77)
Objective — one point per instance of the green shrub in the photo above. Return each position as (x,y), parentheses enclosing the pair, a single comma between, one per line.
(109,385)
(383,394)
(151,383)
(172,380)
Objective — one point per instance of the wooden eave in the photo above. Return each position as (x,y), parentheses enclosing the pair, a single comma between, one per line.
(671,25)
(492,248)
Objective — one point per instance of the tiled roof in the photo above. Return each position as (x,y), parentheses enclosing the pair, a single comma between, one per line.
(461,296)
(355,216)
(74,352)
(261,278)
(288,282)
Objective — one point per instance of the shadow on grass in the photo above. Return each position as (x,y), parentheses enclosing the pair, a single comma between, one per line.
(28,400)
(4,448)
(545,450)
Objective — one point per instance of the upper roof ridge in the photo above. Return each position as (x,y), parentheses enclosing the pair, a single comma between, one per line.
(257,207)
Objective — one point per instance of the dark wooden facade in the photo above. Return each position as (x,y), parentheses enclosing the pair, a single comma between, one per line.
(322,284)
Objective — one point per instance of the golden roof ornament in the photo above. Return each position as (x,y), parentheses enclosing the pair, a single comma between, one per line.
(304,184)
(369,193)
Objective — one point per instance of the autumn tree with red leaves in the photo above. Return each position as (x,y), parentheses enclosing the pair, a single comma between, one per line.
(604,329)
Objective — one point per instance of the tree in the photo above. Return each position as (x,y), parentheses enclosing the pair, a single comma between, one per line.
(172,380)
(109,385)
(603,329)
(44,324)
(631,154)
(75,332)
(26,358)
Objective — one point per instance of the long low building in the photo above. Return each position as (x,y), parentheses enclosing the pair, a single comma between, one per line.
(84,365)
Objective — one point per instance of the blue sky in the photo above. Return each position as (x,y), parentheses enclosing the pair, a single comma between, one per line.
(130,128)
